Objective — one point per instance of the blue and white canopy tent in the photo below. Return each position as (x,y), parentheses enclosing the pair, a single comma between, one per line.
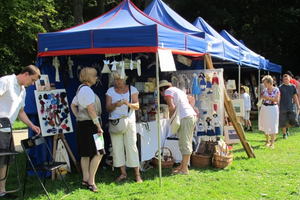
(218,49)
(123,30)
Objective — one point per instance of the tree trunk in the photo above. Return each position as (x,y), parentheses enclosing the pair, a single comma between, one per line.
(46,23)
(77,8)
(100,7)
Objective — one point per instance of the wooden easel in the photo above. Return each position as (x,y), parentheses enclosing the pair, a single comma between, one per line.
(62,137)
(232,115)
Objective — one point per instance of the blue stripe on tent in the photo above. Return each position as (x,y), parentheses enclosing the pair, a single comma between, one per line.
(63,41)
(126,37)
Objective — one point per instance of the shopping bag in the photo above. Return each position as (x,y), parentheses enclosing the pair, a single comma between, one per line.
(62,155)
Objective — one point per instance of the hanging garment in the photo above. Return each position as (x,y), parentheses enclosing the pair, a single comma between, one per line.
(217,124)
(70,65)
(202,82)
(209,130)
(56,64)
(105,68)
(203,104)
(208,81)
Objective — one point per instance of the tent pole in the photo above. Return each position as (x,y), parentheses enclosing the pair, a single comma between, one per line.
(158,119)
(258,93)
(239,88)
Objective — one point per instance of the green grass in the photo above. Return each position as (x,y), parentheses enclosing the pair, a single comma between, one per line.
(273,174)
(19,125)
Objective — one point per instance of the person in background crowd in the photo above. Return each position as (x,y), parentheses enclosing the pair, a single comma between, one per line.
(125,151)
(274,82)
(288,93)
(188,117)
(86,106)
(297,78)
(295,108)
(269,113)
(298,90)
(247,103)
(246,88)
(12,102)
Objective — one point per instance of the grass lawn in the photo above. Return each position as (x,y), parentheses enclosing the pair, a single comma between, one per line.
(273,174)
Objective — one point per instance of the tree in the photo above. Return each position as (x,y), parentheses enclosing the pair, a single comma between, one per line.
(20,21)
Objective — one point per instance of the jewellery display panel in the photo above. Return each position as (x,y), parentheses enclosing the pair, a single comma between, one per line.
(53,112)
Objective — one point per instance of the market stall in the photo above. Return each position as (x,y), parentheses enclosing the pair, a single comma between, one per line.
(105,40)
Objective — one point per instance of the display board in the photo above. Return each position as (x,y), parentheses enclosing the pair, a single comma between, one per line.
(231,136)
(207,87)
(53,112)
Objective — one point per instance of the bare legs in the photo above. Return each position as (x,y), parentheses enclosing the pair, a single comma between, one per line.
(273,137)
(89,168)
(124,174)
(183,168)
(2,175)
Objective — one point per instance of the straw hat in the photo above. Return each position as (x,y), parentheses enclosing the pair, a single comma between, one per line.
(164,83)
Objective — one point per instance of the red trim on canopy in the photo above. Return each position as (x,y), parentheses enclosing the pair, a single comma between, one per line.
(115,51)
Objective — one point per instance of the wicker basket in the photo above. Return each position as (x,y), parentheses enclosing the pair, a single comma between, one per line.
(222,161)
(201,160)
(164,163)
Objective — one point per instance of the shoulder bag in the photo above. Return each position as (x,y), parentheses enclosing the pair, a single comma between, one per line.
(121,124)
(175,119)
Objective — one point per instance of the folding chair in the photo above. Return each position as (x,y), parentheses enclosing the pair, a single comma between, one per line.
(46,166)
(5,126)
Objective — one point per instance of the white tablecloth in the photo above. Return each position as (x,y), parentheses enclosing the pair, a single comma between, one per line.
(173,146)
(149,139)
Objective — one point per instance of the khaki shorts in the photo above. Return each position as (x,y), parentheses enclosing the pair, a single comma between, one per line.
(185,134)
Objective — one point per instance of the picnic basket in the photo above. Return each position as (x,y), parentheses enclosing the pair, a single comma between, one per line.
(201,160)
(167,158)
(221,161)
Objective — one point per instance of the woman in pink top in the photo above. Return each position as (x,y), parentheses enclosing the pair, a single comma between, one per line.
(269,113)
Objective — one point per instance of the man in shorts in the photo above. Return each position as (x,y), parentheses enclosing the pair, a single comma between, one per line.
(288,93)
(12,102)
(247,103)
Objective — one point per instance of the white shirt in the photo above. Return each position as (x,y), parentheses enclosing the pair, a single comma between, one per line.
(12,97)
(247,100)
(185,108)
(84,98)
(123,110)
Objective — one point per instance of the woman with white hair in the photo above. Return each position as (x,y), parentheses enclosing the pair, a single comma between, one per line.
(269,113)
(118,103)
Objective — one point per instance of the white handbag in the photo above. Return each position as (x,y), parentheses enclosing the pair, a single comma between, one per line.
(175,119)
(259,103)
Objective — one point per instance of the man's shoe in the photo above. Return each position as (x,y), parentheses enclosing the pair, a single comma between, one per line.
(284,136)
(251,129)
(245,129)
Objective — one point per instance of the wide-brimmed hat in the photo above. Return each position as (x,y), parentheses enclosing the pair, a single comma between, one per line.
(163,83)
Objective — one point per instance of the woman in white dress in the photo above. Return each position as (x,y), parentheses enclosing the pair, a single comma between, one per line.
(269,113)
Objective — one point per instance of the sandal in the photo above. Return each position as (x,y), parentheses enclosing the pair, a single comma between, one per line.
(272,146)
(138,180)
(120,178)
(93,188)
(85,183)
(182,172)
(267,144)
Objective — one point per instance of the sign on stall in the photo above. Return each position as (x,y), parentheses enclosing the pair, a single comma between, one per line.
(166,60)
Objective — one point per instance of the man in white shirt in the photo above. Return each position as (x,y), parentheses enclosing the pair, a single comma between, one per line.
(12,102)
(247,103)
